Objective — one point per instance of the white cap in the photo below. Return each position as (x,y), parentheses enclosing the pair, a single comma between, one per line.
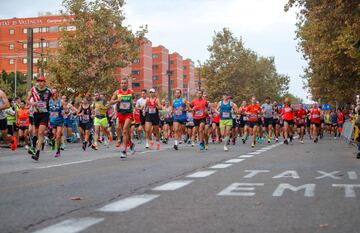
(152,90)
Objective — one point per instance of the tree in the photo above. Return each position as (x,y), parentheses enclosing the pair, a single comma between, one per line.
(88,56)
(7,84)
(328,32)
(240,71)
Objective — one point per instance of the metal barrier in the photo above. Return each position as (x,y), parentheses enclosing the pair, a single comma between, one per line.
(348,131)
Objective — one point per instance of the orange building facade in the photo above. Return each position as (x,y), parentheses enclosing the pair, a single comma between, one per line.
(13,40)
(160,66)
(189,77)
(149,70)
(176,71)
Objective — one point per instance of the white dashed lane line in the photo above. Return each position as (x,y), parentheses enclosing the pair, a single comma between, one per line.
(71,225)
(201,174)
(221,166)
(246,156)
(173,185)
(128,203)
(234,161)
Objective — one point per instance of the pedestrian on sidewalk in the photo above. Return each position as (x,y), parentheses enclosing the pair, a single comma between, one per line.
(357,125)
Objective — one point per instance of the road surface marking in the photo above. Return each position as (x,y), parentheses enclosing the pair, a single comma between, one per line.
(349,189)
(149,151)
(71,225)
(65,164)
(309,189)
(254,153)
(173,185)
(128,203)
(221,165)
(352,175)
(261,151)
(246,156)
(234,161)
(201,174)
(240,189)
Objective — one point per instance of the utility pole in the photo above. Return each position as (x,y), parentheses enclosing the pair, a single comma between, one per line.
(15,76)
(169,80)
(30,57)
(42,56)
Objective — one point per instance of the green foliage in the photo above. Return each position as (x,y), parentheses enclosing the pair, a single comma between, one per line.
(240,71)
(327,33)
(7,84)
(88,56)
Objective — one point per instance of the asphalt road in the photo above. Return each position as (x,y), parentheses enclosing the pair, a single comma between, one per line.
(272,188)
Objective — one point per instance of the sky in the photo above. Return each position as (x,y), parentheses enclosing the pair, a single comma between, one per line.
(187,27)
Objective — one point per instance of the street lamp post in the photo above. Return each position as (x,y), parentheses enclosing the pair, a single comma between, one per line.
(169,80)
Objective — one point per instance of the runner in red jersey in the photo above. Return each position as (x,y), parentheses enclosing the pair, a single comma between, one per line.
(288,117)
(215,120)
(252,111)
(315,122)
(199,107)
(340,121)
(300,116)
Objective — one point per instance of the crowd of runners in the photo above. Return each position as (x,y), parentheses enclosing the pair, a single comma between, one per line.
(45,118)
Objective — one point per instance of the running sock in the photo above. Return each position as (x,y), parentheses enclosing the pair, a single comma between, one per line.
(176,142)
(226,140)
(34,141)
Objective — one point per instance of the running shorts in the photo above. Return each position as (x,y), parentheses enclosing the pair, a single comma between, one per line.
(3,124)
(41,119)
(227,123)
(197,122)
(102,122)
(123,117)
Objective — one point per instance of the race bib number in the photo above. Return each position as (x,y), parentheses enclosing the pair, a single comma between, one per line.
(178,112)
(85,117)
(125,105)
(191,123)
(152,110)
(315,116)
(41,105)
(199,113)
(245,118)
(54,114)
(97,112)
(23,122)
(253,116)
(301,121)
(226,114)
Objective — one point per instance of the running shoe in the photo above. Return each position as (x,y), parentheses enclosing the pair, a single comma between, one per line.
(176,147)
(158,146)
(62,146)
(192,144)
(243,140)
(225,148)
(358,155)
(118,144)
(52,144)
(36,156)
(151,144)
(110,138)
(234,141)
(123,154)
(286,142)
(316,140)
(253,145)
(32,150)
(269,140)
(206,146)
(84,146)
(94,147)
(291,138)
(132,148)
(276,140)
(201,146)
(57,154)
(302,141)
(260,140)
(13,143)
(147,145)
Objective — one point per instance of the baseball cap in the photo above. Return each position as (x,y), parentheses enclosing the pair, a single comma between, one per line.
(152,90)
(41,78)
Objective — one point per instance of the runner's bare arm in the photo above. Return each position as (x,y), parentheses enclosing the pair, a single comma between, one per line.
(5,100)
(158,104)
(114,99)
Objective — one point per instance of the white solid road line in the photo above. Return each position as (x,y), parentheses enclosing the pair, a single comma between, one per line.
(65,164)
(234,161)
(246,156)
(71,225)
(261,151)
(254,153)
(221,165)
(173,185)
(201,174)
(128,203)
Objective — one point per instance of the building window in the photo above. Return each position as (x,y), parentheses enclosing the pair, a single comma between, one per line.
(53,44)
(44,29)
(25,45)
(184,67)
(53,29)
(171,62)
(155,78)
(184,86)
(36,30)
(184,76)
(35,60)
(155,67)
(171,82)
(24,60)
(11,46)
(135,84)
(154,56)
(136,61)
(71,28)
(135,72)
(25,30)
(11,61)
(11,31)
